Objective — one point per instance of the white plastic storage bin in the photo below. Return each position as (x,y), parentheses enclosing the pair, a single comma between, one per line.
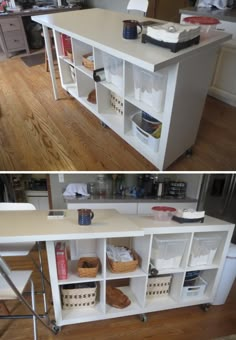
(113,68)
(167,251)
(195,291)
(145,137)
(203,250)
(150,87)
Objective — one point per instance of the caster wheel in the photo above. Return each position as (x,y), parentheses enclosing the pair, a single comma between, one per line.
(56,329)
(205,307)
(189,152)
(143,318)
(103,125)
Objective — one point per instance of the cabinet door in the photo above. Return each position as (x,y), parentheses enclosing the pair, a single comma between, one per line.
(40,203)
(166,9)
(146,208)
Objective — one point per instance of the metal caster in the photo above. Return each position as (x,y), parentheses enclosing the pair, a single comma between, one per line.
(143,317)
(56,329)
(205,307)
(189,153)
(103,125)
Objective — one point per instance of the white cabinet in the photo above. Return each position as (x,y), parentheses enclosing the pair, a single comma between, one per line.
(135,79)
(12,35)
(223,84)
(141,208)
(179,294)
(38,198)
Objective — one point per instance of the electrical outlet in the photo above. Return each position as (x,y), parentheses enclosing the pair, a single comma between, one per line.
(61,178)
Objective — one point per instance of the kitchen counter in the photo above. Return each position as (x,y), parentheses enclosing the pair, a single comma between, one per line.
(226,15)
(38,11)
(125,199)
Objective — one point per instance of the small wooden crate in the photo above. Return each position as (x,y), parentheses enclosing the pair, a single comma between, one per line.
(92,266)
(88,63)
(158,286)
(73,297)
(124,267)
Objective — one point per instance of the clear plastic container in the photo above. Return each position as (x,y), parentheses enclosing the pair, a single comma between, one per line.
(203,250)
(150,87)
(167,251)
(146,138)
(195,291)
(161,213)
(113,68)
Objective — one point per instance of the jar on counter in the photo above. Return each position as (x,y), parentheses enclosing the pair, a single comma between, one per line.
(101,185)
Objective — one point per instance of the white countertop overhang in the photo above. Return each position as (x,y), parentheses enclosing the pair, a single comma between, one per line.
(28,226)
(103,30)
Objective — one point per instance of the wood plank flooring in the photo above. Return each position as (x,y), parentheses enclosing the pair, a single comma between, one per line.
(40,134)
(189,323)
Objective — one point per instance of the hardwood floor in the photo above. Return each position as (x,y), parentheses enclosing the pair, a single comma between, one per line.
(189,323)
(41,134)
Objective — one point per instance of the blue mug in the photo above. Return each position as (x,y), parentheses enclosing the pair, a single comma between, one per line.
(130,29)
(85,216)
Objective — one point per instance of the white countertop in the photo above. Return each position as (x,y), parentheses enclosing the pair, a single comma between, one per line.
(103,30)
(26,226)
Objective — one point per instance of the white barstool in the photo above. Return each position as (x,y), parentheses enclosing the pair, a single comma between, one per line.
(140,6)
(24,249)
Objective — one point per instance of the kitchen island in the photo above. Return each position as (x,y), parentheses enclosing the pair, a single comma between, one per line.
(176,102)
(140,233)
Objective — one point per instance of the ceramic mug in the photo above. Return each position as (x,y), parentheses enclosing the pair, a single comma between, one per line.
(85,216)
(130,29)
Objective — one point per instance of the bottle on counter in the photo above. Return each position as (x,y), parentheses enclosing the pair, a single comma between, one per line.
(160,189)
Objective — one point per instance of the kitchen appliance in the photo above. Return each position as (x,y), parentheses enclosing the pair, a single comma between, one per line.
(218,197)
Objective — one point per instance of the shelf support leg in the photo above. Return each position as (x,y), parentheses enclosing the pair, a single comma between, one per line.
(48,46)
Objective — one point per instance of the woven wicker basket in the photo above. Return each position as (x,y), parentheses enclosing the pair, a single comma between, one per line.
(124,267)
(88,266)
(158,286)
(88,63)
(78,297)
(117,103)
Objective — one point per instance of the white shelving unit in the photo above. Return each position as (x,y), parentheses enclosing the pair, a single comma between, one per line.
(137,232)
(187,73)
(141,240)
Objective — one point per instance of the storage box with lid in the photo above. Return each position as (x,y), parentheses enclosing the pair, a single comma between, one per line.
(203,250)
(113,68)
(150,87)
(167,251)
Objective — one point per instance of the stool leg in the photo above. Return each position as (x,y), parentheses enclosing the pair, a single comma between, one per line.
(46,62)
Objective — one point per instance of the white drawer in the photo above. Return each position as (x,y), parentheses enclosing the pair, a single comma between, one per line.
(14,40)
(10,25)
